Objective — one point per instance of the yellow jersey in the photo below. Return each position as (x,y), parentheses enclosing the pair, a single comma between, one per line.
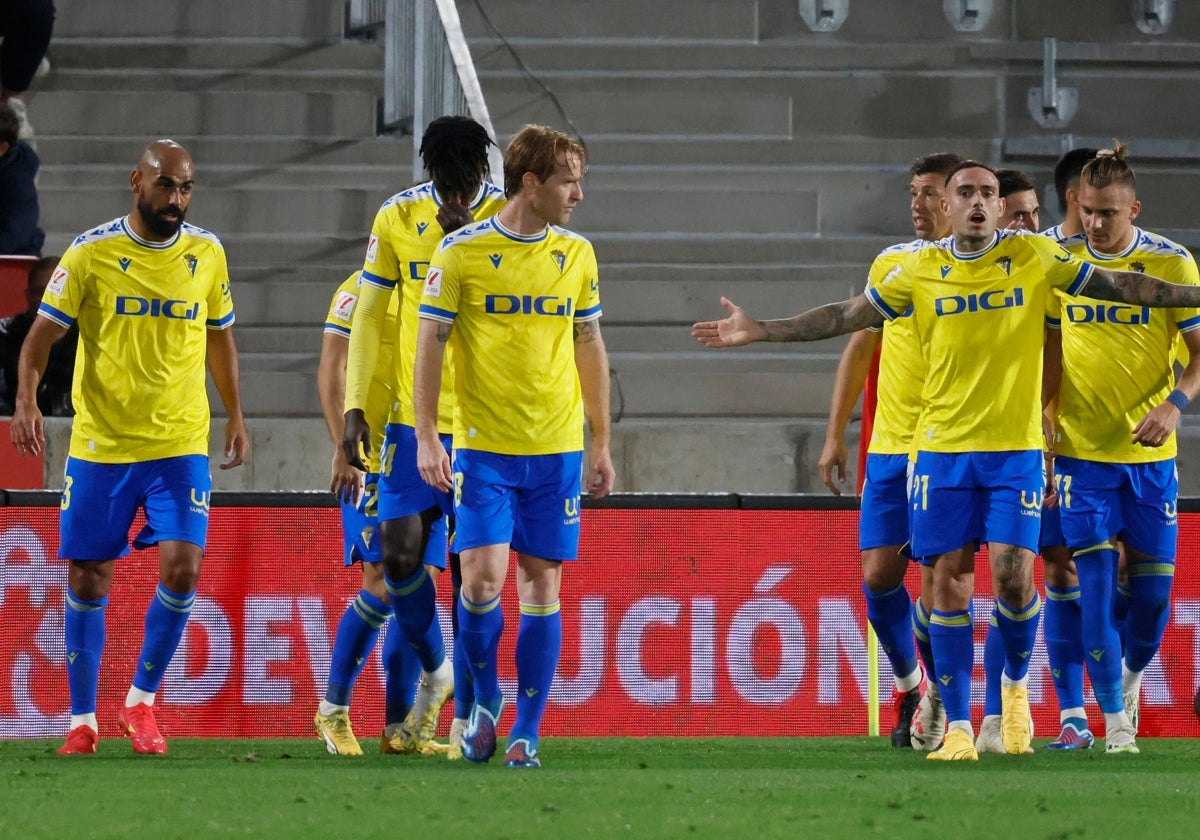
(514,301)
(902,368)
(980,318)
(143,309)
(1118,359)
(340,321)
(404,235)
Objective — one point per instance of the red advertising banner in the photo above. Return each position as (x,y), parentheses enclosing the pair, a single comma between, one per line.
(676,623)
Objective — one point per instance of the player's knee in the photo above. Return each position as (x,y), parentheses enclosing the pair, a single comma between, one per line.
(882,574)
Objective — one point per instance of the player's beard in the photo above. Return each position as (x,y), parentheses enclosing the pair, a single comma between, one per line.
(157,220)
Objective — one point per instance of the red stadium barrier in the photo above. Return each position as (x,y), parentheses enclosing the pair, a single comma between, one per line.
(677,622)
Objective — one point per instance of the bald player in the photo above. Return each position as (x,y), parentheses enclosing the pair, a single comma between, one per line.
(150,294)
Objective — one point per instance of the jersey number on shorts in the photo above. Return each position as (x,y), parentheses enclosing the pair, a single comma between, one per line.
(919,492)
(386,457)
(458,481)
(1062,486)
(65,501)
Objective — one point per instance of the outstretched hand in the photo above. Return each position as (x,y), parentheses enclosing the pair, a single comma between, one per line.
(736,330)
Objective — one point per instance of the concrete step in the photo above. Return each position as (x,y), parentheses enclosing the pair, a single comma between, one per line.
(1104,22)
(228,53)
(253,210)
(305,339)
(573,20)
(154,80)
(288,114)
(311,19)
(249,154)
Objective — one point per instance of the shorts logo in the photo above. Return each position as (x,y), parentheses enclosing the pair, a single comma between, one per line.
(571,509)
(433,282)
(1032,504)
(343,306)
(1171,509)
(199,502)
(58,281)
(372,248)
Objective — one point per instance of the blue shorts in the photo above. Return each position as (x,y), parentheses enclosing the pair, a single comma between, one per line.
(1135,502)
(402,491)
(528,501)
(1052,533)
(360,525)
(99,502)
(964,498)
(883,514)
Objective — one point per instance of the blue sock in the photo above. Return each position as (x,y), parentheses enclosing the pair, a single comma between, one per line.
(166,617)
(1149,609)
(414,603)
(83,627)
(1121,599)
(480,626)
(464,685)
(920,626)
(1018,629)
(1064,645)
(954,652)
(357,632)
(402,671)
(539,642)
(890,613)
(993,665)
(1097,575)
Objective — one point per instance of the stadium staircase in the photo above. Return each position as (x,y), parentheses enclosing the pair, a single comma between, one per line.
(733,151)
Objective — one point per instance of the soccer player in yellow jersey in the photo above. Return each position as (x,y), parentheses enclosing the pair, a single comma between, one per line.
(151,297)
(883,529)
(979,300)
(405,233)
(517,298)
(1118,405)
(357,492)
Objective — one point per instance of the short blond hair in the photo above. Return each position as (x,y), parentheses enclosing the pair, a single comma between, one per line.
(537,149)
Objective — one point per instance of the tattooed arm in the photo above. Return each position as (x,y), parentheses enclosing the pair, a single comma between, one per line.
(1141,289)
(828,321)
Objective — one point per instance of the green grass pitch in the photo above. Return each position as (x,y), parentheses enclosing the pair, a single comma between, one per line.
(606,787)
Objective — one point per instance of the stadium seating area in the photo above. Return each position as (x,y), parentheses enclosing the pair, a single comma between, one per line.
(732,151)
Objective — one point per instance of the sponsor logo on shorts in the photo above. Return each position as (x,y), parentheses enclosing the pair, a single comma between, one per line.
(199,502)
(571,509)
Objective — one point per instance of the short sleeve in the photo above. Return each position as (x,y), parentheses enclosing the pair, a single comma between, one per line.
(67,288)
(588,308)
(440,294)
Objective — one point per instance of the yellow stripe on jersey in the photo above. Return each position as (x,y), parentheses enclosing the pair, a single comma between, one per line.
(404,236)
(980,319)
(902,368)
(1118,359)
(340,321)
(514,301)
(144,310)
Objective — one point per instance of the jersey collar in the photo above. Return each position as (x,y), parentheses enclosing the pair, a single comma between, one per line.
(974,255)
(146,243)
(1137,237)
(533,237)
(475,202)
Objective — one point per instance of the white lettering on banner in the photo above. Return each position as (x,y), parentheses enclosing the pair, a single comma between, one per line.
(260,648)
(577,690)
(43,581)
(640,686)
(704,653)
(1187,614)
(840,639)
(205,650)
(317,640)
(740,657)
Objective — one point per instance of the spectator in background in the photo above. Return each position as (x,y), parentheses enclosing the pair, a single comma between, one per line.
(25,26)
(19,231)
(54,392)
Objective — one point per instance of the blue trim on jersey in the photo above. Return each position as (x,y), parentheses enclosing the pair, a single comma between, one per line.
(588,314)
(505,232)
(1133,243)
(427,311)
(146,243)
(220,323)
(337,329)
(376,281)
(966,258)
(876,301)
(56,315)
(1081,279)
(1054,323)
(1188,324)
